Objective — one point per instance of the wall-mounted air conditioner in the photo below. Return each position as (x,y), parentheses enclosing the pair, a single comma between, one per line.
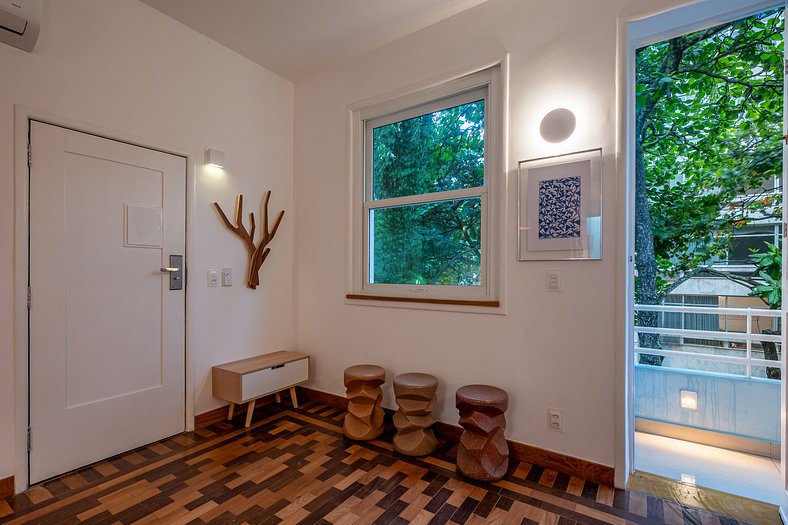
(20,22)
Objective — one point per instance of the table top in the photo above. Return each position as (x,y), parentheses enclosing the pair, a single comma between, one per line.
(261,362)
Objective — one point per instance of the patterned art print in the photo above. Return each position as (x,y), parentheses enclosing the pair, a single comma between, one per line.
(560,200)
(559,208)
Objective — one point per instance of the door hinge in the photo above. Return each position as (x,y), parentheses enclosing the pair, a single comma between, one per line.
(29,155)
(29,297)
(29,439)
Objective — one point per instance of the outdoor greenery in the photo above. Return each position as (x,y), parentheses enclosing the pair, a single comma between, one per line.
(769,268)
(439,242)
(708,127)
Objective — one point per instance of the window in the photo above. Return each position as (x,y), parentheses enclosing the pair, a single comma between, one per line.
(750,238)
(425,179)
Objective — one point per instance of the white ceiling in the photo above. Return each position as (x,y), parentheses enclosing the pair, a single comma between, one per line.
(299,38)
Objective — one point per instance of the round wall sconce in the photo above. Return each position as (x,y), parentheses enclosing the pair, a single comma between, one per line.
(558,125)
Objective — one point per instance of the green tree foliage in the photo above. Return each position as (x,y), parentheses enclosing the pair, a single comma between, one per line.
(708,127)
(770,290)
(769,267)
(436,243)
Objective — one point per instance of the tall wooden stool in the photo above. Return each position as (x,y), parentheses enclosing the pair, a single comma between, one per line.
(415,395)
(364,418)
(482,453)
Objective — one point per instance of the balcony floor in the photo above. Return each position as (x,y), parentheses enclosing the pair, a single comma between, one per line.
(745,475)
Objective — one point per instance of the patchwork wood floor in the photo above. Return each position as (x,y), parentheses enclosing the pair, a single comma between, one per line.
(295,467)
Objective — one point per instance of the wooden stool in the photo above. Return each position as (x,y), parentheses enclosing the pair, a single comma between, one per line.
(482,453)
(415,395)
(364,418)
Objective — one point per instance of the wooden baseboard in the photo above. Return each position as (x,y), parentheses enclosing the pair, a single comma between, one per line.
(220,414)
(209,418)
(326,398)
(6,487)
(581,468)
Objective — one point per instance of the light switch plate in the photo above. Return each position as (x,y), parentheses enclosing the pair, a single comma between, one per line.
(213,278)
(553,280)
(227,276)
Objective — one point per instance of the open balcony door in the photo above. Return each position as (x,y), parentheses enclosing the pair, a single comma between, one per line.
(641,31)
(783,326)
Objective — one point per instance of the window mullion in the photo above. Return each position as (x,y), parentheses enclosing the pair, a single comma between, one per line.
(440,196)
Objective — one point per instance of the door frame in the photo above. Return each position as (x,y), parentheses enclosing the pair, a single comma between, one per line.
(22,116)
(633,32)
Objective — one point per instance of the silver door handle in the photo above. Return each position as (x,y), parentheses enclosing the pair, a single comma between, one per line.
(176,271)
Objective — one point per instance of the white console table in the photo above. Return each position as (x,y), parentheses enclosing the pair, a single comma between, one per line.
(247,380)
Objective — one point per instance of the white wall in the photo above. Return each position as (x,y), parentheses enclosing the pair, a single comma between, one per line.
(748,407)
(551,349)
(123,66)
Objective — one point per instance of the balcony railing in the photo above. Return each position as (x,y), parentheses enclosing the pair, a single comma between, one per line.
(747,337)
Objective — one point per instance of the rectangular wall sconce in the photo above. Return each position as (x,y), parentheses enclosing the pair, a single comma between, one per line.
(689,399)
(214,157)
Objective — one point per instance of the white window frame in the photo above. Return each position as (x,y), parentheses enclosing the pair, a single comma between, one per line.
(484,85)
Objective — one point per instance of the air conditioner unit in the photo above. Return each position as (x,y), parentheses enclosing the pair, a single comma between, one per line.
(20,22)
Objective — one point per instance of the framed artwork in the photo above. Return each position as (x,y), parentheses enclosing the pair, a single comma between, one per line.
(560,207)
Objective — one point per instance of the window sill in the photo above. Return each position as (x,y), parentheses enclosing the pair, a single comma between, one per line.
(424,300)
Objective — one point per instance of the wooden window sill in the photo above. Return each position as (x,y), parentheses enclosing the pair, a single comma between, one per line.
(423,300)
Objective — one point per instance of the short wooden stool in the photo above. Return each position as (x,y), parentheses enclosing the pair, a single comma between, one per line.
(482,453)
(415,396)
(364,418)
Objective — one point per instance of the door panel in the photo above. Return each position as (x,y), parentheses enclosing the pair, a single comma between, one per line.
(106,333)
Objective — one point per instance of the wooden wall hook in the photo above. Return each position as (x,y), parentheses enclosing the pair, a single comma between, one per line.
(257,254)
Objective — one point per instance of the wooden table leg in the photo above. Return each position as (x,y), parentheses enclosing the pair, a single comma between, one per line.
(249,412)
(278,398)
(293,397)
(231,411)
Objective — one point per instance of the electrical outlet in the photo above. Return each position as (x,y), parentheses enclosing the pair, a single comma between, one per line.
(555,419)
(227,276)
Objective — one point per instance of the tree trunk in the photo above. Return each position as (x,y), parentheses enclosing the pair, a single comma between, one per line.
(645,262)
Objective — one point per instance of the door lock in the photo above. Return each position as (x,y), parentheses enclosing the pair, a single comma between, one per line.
(175,269)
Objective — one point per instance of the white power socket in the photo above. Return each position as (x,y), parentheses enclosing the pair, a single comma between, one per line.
(555,419)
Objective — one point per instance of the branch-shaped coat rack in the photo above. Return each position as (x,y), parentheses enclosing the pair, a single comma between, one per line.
(257,254)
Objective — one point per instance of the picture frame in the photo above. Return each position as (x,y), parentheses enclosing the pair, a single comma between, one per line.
(560,207)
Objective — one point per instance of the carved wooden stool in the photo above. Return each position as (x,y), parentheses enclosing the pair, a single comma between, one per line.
(364,418)
(482,453)
(415,395)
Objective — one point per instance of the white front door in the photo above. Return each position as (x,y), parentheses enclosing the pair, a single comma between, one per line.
(106,331)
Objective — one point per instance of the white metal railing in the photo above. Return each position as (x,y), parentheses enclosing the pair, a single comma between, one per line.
(747,337)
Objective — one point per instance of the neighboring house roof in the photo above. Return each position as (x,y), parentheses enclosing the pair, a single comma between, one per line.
(707,285)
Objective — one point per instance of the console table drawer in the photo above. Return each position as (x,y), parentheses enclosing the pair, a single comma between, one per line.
(280,377)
